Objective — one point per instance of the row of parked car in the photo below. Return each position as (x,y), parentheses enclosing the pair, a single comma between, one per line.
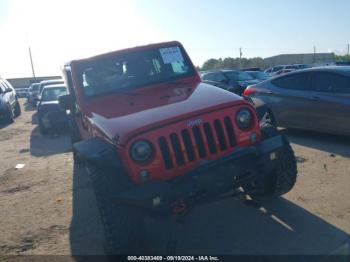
(44,96)
(304,98)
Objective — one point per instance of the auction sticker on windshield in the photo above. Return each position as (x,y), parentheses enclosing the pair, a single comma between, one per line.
(171,54)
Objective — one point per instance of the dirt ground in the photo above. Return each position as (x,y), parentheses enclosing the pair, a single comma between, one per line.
(49,207)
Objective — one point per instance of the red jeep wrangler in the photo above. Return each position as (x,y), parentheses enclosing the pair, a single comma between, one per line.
(157,140)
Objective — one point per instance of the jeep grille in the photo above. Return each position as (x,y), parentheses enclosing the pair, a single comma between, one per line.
(197,142)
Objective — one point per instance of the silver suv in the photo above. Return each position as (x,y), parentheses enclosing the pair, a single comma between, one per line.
(9,105)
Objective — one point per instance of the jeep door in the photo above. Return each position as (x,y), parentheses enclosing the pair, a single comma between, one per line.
(77,120)
(331,102)
(289,99)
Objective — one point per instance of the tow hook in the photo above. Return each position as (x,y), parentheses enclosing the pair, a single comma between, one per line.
(178,207)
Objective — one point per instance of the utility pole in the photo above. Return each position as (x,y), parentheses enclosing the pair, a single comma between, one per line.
(348,49)
(240,57)
(31,61)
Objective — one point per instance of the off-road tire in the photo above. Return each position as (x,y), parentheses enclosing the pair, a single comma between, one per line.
(282,179)
(17,109)
(267,117)
(74,138)
(123,225)
(9,115)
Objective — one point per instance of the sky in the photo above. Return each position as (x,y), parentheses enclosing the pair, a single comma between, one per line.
(61,30)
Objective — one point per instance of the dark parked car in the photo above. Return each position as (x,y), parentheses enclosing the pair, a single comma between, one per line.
(231,80)
(32,96)
(9,105)
(342,63)
(275,70)
(22,92)
(258,75)
(302,66)
(38,88)
(50,114)
(315,99)
(284,71)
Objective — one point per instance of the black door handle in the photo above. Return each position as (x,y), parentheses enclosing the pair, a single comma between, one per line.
(315,98)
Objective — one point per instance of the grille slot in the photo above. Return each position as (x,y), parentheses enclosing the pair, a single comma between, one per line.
(164,149)
(188,145)
(230,131)
(210,138)
(175,142)
(220,134)
(199,141)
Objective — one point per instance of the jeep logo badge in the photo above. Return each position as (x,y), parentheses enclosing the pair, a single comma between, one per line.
(194,122)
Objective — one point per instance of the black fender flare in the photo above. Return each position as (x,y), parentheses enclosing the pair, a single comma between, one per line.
(261,109)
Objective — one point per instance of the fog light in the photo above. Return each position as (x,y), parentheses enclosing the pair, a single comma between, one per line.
(156,201)
(253,137)
(273,156)
(144,175)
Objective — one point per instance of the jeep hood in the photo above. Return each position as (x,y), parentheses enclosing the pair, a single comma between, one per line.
(123,115)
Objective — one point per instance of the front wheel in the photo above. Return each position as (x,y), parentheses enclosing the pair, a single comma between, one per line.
(17,109)
(282,179)
(9,115)
(123,225)
(43,130)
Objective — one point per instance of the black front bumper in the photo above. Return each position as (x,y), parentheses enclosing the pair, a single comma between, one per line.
(211,179)
(55,120)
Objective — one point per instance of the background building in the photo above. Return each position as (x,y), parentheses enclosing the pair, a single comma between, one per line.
(318,58)
(25,82)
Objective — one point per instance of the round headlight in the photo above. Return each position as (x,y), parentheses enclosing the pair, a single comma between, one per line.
(141,151)
(244,119)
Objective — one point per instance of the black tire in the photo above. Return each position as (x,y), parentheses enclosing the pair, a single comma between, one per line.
(282,179)
(74,138)
(267,118)
(9,115)
(123,225)
(17,109)
(42,129)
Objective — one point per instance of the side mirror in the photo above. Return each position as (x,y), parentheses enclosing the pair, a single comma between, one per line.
(65,101)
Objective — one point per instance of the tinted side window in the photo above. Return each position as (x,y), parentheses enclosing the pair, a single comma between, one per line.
(330,82)
(209,77)
(294,81)
(219,77)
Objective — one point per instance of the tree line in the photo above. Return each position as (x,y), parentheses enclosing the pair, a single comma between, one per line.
(234,63)
(240,63)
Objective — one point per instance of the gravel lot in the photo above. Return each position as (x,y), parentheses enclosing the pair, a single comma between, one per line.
(49,207)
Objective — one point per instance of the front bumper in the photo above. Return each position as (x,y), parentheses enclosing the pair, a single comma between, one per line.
(211,179)
(55,120)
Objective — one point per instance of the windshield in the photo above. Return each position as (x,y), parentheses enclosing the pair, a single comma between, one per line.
(238,76)
(259,75)
(52,94)
(303,66)
(34,87)
(43,84)
(126,71)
